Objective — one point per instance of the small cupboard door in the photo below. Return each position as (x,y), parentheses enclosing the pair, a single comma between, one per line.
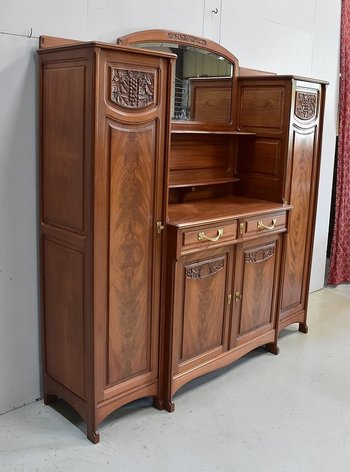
(202,306)
(255,290)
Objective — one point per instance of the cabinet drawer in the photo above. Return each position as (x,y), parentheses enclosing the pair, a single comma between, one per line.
(209,235)
(266,224)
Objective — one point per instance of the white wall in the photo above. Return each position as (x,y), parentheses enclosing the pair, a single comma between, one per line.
(299,37)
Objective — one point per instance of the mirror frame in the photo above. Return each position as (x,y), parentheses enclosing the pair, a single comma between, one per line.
(184,39)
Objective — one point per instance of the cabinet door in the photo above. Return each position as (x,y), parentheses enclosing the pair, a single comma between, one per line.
(202,286)
(129,201)
(255,289)
(301,192)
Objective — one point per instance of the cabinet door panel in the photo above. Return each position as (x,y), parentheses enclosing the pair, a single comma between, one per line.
(131,228)
(255,289)
(201,315)
(259,266)
(298,238)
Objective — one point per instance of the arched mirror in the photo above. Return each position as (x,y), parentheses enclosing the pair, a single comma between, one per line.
(203,82)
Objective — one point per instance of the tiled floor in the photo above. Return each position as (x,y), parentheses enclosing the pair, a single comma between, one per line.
(265,413)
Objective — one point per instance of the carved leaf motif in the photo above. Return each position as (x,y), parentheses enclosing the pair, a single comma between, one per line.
(132,88)
(205,269)
(305,105)
(260,255)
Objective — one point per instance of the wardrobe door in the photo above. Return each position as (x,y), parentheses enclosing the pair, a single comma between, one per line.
(129,202)
(301,192)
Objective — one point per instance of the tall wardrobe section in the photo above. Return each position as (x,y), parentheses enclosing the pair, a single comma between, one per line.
(282,164)
(104,147)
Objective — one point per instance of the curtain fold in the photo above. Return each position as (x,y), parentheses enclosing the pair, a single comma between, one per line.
(339,270)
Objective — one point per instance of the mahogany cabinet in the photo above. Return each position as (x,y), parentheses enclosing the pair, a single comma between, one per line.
(178,202)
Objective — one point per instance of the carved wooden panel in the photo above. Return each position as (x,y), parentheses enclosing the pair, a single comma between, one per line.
(203,307)
(63,146)
(305,105)
(258,279)
(132,88)
(294,272)
(132,154)
(64,316)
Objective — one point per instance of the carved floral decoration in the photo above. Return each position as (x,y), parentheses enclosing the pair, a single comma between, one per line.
(132,88)
(260,255)
(207,269)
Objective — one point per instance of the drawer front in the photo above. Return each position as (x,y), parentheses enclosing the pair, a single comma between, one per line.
(266,224)
(207,236)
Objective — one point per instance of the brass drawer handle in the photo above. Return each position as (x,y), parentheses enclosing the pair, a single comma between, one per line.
(202,237)
(261,225)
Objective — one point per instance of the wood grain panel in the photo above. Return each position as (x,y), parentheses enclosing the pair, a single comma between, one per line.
(295,270)
(198,152)
(63,146)
(262,107)
(261,156)
(258,279)
(211,100)
(200,158)
(204,304)
(132,166)
(63,316)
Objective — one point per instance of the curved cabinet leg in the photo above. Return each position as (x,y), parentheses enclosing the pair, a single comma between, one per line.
(273,348)
(303,328)
(49,398)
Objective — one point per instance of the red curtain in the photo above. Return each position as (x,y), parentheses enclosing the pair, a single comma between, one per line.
(339,270)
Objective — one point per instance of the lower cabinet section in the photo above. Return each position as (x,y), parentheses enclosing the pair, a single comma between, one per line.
(224,305)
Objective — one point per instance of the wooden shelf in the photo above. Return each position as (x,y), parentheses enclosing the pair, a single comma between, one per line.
(193,131)
(192,183)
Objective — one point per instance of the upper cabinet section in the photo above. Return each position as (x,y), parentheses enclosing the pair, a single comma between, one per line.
(204,85)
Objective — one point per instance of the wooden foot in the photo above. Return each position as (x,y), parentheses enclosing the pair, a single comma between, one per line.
(158,403)
(273,348)
(303,328)
(169,406)
(48,398)
(93,435)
